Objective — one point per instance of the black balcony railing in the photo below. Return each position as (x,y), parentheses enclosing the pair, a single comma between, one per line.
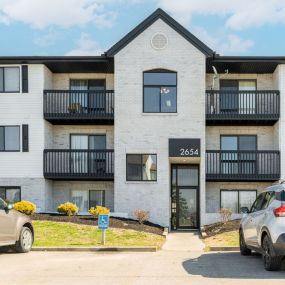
(257,107)
(79,164)
(71,106)
(242,165)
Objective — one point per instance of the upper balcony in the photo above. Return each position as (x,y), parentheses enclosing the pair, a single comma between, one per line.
(79,106)
(225,107)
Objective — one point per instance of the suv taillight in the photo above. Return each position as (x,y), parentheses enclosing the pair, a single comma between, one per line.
(279,212)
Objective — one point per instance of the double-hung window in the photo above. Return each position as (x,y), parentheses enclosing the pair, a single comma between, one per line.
(236,199)
(10,194)
(9,138)
(9,79)
(141,167)
(159,91)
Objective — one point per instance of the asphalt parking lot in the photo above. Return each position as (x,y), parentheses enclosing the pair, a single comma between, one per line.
(163,267)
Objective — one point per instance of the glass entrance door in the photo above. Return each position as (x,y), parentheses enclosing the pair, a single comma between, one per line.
(187,208)
(185,197)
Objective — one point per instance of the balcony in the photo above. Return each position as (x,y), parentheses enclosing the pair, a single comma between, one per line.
(242,165)
(242,107)
(96,165)
(79,106)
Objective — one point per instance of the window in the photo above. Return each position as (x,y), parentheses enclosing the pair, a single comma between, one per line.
(257,205)
(10,194)
(85,84)
(234,162)
(96,198)
(9,79)
(85,199)
(159,91)
(141,167)
(236,199)
(9,138)
(92,161)
(93,99)
(233,101)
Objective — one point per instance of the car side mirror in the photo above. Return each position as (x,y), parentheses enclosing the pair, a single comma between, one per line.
(8,207)
(244,210)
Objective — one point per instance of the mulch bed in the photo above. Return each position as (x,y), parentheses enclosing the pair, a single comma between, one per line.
(113,222)
(219,228)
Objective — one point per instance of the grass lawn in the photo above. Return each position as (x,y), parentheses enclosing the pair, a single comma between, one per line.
(230,238)
(49,233)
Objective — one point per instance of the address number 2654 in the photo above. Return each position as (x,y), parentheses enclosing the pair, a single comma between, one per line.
(189,151)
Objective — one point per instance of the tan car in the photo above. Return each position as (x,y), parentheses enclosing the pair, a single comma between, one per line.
(15,228)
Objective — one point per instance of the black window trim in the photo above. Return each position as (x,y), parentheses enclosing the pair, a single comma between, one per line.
(87,79)
(237,190)
(88,135)
(141,155)
(103,197)
(19,138)
(159,86)
(7,92)
(12,187)
(238,143)
(239,80)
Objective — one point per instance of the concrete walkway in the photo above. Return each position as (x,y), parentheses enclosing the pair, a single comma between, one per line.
(183,241)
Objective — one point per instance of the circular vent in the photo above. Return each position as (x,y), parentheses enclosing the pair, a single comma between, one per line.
(159,41)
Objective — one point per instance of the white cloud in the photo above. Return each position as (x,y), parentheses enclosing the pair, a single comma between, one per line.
(222,42)
(62,13)
(47,39)
(86,46)
(240,14)
(234,44)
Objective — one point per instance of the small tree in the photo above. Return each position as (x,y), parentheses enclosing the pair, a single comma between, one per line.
(225,214)
(99,210)
(67,209)
(141,216)
(25,207)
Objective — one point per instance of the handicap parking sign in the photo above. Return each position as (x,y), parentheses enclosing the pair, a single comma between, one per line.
(103,222)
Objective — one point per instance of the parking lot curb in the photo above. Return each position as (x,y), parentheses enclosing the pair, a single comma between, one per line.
(97,249)
(223,248)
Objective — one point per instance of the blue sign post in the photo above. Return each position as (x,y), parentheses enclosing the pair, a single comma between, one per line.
(103,224)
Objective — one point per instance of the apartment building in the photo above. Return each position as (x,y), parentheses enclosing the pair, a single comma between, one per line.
(160,122)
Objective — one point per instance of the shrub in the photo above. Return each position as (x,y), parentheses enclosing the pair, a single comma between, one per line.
(25,207)
(225,214)
(67,208)
(141,216)
(98,210)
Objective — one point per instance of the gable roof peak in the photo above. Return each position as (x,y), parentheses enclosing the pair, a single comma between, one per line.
(159,14)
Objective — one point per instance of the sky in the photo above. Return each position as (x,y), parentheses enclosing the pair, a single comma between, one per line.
(90,27)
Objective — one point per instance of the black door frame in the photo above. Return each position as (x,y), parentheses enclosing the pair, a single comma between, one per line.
(177,227)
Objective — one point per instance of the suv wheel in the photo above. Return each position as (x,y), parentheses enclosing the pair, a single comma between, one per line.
(270,260)
(25,242)
(244,250)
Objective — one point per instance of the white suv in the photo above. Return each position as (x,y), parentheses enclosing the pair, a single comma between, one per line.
(262,228)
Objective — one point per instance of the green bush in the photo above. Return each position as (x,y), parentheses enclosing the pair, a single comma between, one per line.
(25,207)
(67,209)
(99,210)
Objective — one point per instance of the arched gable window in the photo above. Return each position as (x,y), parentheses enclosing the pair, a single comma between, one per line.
(159,91)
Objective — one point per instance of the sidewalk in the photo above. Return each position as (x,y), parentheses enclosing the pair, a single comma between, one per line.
(183,241)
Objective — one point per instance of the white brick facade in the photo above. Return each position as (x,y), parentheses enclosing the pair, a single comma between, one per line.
(133,131)
(136,132)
